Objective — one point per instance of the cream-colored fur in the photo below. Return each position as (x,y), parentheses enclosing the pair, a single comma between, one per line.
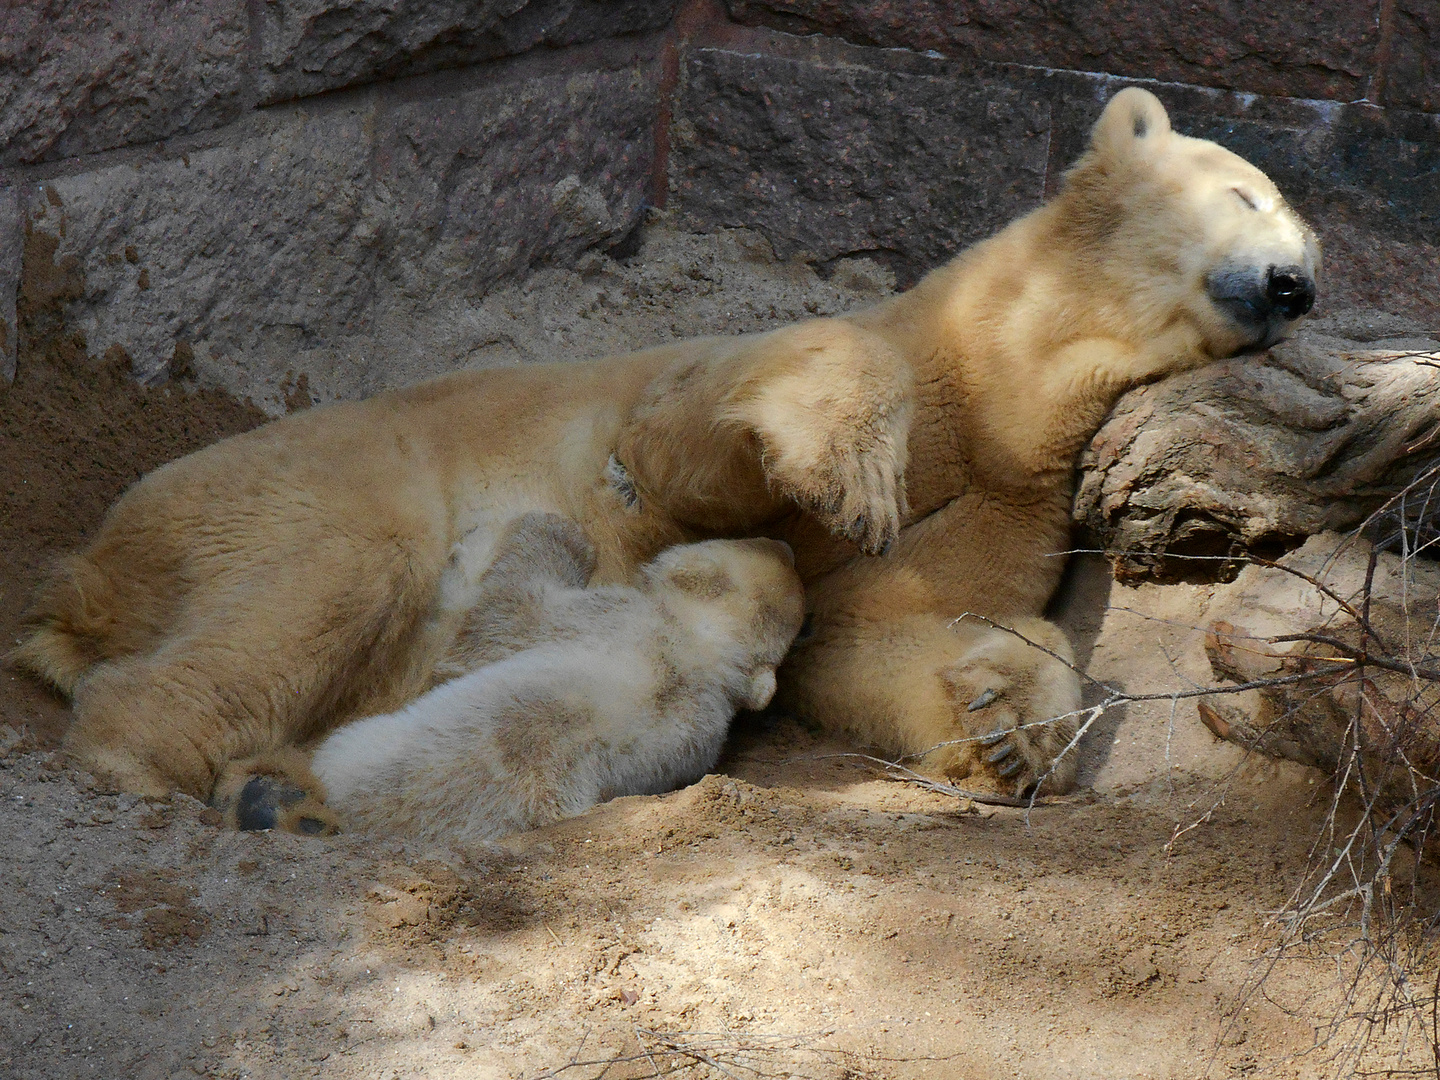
(260,592)
(602,692)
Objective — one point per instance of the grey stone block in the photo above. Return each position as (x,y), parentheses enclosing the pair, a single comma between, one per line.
(505,178)
(309,46)
(331,242)
(223,246)
(78,76)
(831,158)
(1325,50)
(1412,74)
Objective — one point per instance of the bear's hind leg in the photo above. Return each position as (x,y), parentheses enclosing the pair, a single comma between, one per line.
(957,700)
(169,720)
(272,667)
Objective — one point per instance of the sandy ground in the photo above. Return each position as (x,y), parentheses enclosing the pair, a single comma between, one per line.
(795,915)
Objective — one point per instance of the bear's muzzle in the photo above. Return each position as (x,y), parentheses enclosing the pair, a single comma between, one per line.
(1265,300)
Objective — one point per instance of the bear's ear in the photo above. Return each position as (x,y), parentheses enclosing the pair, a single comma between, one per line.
(1132,124)
(700,580)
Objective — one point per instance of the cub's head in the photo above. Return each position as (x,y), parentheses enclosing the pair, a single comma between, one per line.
(741,598)
(1193,232)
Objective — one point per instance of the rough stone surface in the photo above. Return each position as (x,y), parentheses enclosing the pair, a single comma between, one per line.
(320,240)
(1412,77)
(311,46)
(1328,51)
(12,238)
(502,179)
(78,76)
(1258,453)
(834,159)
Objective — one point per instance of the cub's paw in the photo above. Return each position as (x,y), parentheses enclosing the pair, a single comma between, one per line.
(1013,722)
(274,791)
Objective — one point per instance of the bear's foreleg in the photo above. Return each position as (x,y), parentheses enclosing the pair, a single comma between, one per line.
(816,415)
(954,699)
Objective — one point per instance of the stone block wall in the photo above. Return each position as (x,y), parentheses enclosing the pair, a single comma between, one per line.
(259,190)
(1326,49)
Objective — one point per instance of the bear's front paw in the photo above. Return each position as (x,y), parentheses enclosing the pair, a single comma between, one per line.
(831,404)
(1013,727)
(855,490)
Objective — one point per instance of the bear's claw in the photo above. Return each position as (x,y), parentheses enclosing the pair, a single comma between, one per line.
(986,697)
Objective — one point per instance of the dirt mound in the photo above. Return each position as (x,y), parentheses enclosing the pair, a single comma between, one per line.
(74,433)
(797,915)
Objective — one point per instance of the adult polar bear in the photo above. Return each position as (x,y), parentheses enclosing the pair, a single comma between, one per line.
(266,589)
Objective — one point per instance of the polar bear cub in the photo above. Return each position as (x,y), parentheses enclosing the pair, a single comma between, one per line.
(570,695)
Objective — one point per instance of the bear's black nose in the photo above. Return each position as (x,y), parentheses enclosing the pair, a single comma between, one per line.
(1290,290)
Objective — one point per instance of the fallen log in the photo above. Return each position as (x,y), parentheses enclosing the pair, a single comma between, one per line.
(1253,455)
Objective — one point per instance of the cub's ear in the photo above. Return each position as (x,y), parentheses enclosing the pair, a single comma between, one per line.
(695,578)
(761,689)
(1133,124)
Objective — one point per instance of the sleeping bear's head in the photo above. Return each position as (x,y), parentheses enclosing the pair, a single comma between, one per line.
(1202,234)
(741,597)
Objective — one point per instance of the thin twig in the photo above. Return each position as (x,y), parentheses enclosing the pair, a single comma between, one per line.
(900,772)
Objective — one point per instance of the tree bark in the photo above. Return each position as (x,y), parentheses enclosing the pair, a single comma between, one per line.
(1253,455)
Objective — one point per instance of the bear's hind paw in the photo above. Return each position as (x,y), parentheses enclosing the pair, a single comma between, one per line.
(274,790)
(1016,729)
(266,802)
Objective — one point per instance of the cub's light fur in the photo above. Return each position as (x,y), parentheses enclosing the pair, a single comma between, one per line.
(583,694)
(262,591)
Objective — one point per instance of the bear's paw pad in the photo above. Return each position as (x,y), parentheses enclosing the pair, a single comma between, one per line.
(269,803)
